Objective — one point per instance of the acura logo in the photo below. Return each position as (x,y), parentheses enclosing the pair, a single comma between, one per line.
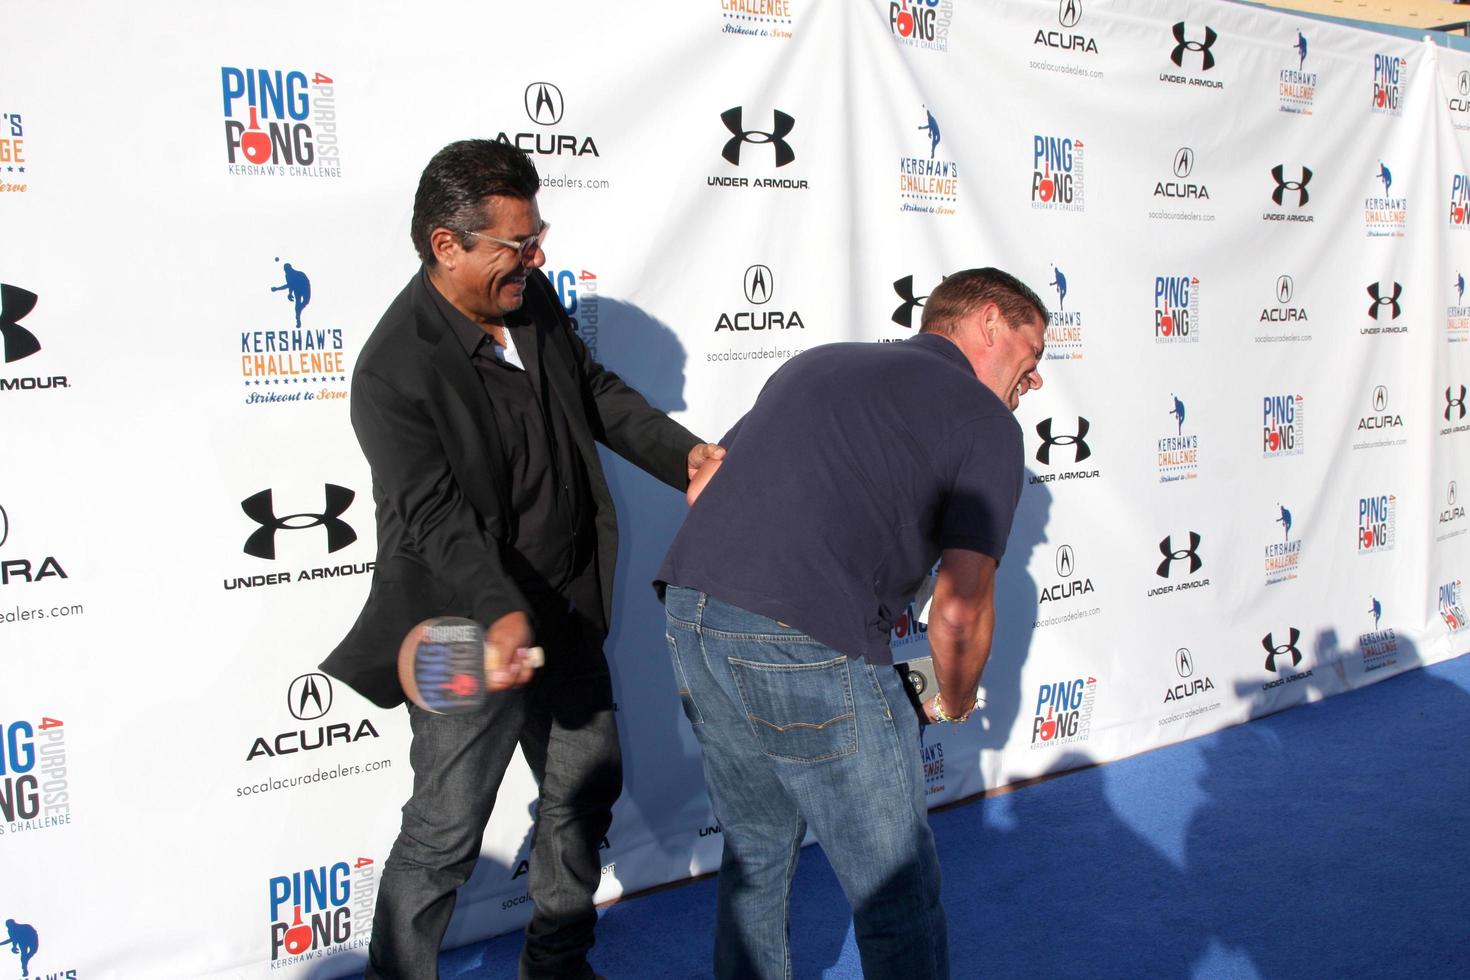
(544,103)
(1453,495)
(758,284)
(1183,662)
(309,697)
(1183,162)
(1380,398)
(1065,561)
(15,303)
(1285,289)
(1464,83)
(5,526)
(1069,12)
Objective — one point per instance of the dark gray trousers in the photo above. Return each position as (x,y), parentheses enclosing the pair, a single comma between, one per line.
(566,727)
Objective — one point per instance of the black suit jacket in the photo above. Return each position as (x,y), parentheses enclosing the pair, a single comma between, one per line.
(424,422)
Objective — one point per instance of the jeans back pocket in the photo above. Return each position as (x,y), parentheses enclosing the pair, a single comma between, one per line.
(800,712)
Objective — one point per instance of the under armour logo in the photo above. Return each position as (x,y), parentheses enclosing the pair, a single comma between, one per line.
(544,103)
(1069,12)
(1183,662)
(1065,561)
(1380,300)
(309,697)
(1289,647)
(1380,398)
(904,314)
(758,283)
(782,127)
(15,303)
(1177,56)
(1166,548)
(1285,288)
(1043,452)
(1450,402)
(261,509)
(1278,173)
(1183,162)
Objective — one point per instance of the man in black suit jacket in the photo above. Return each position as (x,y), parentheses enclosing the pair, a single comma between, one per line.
(478,407)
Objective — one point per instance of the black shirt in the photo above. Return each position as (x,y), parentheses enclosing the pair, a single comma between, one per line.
(553,530)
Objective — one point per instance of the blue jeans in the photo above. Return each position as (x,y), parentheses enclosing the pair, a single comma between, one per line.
(796,734)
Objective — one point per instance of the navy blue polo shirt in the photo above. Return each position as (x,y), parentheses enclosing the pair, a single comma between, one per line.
(856,466)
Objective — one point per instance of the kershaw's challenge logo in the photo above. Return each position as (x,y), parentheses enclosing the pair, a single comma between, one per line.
(280,123)
(295,354)
(1379,646)
(928,185)
(1385,215)
(1297,87)
(13,154)
(1178,454)
(1063,326)
(1457,316)
(758,18)
(1284,557)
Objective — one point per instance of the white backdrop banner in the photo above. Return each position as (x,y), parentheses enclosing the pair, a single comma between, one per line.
(1253,231)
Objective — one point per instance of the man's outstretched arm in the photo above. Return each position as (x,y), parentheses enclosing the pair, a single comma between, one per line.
(961,625)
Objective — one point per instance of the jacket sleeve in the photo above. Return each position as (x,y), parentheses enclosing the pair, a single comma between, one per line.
(409,465)
(622,419)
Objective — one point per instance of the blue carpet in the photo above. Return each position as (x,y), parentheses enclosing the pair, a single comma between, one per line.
(1327,841)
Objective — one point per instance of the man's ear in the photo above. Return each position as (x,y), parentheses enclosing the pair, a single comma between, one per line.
(445,246)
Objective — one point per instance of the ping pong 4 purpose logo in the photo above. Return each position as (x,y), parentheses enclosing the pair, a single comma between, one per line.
(35,792)
(280,123)
(1390,76)
(1283,425)
(1063,713)
(1460,201)
(317,910)
(1057,173)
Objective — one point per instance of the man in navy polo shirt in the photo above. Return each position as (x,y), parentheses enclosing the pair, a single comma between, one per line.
(857,468)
